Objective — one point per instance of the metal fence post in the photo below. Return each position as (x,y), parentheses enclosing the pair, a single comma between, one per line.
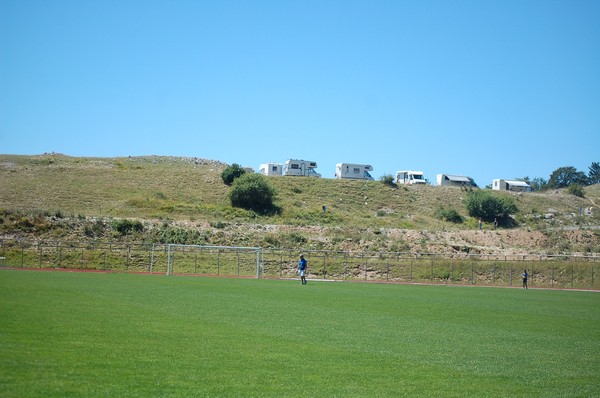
(151,267)
(387,268)
(431,269)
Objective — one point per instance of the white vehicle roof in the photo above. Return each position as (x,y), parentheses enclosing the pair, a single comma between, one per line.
(457,178)
(516,183)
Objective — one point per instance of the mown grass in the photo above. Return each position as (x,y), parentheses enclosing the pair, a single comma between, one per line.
(88,334)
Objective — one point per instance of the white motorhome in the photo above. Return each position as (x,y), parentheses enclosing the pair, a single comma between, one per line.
(305,168)
(354,171)
(270,169)
(510,185)
(409,177)
(455,180)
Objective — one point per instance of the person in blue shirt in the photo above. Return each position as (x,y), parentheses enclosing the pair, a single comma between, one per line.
(525,279)
(302,263)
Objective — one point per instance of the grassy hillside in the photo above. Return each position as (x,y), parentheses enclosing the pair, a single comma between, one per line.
(189,192)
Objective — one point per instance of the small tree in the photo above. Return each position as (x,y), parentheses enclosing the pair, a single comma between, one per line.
(594,173)
(487,206)
(539,184)
(231,173)
(253,192)
(565,176)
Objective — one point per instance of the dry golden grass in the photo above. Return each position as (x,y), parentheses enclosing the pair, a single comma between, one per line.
(191,189)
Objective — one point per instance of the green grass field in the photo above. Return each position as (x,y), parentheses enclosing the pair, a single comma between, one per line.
(126,335)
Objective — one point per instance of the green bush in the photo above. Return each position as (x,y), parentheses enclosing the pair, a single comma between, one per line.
(577,190)
(231,173)
(388,179)
(448,215)
(487,206)
(253,192)
(125,227)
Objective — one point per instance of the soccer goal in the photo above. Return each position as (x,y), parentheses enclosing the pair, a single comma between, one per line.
(214,260)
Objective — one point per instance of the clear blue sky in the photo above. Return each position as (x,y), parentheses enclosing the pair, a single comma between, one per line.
(489,89)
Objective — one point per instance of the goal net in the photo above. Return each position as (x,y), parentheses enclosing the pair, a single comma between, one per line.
(213,260)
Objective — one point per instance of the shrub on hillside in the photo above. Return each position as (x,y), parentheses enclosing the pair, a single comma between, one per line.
(176,235)
(253,192)
(448,215)
(388,179)
(125,227)
(487,206)
(231,173)
(577,190)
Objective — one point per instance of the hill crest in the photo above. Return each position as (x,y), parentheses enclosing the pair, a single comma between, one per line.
(187,193)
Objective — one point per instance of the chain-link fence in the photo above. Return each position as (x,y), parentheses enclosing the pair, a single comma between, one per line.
(551,271)
(569,272)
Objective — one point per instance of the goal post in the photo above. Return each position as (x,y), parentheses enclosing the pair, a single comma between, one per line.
(214,260)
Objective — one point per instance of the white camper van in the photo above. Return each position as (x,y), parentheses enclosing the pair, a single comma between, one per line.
(510,185)
(455,180)
(305,168)
(410,177)
(270,169)
(354,171)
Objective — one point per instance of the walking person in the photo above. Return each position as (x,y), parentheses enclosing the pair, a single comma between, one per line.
(524,279)
(302,264)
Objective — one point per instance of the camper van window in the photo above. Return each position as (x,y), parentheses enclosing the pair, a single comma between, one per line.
(295,166)
(418,177)
(367,174)
(356,170)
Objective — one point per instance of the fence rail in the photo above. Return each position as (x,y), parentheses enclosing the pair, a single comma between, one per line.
(555,271)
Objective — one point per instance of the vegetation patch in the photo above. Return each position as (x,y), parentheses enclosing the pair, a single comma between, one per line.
(450,215)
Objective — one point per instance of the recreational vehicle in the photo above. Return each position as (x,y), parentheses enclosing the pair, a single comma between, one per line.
(455,180)
(270,169)
(410,177)
(510,185)
(305,168)
(354,171)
